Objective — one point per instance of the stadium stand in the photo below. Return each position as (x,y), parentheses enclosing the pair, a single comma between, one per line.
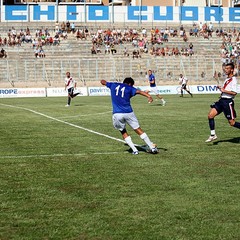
(23,69)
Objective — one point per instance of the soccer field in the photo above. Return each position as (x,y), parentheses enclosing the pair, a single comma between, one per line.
(66,173)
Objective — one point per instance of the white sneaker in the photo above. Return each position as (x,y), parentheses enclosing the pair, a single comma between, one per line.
(164,103)
(211,138)
(154,150)
(135,153)
(67,105)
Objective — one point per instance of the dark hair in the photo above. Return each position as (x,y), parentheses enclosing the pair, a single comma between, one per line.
(128,81)
(230,64)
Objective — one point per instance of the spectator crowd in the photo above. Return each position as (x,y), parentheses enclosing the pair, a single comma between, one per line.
(128,42)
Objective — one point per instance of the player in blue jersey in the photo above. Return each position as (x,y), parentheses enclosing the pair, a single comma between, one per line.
(123,114)
(153,87)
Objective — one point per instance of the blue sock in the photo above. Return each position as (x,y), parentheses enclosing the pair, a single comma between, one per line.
(236,125)
(211,123)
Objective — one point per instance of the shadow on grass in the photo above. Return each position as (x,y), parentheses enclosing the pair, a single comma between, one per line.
(144,148)
(231,140)
(78,105)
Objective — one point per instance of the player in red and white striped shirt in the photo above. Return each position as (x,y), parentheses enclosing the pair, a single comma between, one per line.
(226,103)
(70,85)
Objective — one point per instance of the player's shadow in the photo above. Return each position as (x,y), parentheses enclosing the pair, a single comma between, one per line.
(231,140)
(144,148)
(156,105)
(78,105)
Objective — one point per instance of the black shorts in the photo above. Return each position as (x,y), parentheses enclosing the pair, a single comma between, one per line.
(70,91)
(226,106)
(184,86)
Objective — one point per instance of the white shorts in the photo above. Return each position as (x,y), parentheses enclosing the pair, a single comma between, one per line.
(121,119)
(154,89)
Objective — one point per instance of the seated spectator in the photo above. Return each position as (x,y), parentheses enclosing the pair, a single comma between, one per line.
(125,52)
(191,33)
(171,31)
(141,45)
(175,33)
(165,37)
(28,38)
(134,42)
(113,49)
(5,41)
(41,53)
(195,32)
(93,49)
(162,52)
(50,40)
(177,52)
(145,49)
(167,51)
(190,50)
(152,51)
(3,53)
(98,49)
(205,35)
(86,32)
(56,40)
(185,39)
(136,54)
(64,35)
(107,48)
(36,52)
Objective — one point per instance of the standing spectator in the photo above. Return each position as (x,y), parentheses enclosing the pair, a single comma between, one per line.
(183,81)
(73,27)
(57,27)
(68,26)
(70,85)
(123,114)
(225,104)
(63,26)
(153,87)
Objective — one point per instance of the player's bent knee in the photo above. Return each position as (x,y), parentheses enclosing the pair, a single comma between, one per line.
(231,122)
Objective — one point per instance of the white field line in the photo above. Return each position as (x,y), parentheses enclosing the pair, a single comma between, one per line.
(58,155)
(67,123)
(84,115)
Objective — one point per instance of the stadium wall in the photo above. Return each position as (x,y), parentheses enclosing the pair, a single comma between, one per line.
(118,14)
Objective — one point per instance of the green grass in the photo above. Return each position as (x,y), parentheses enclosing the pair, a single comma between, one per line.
(61,182)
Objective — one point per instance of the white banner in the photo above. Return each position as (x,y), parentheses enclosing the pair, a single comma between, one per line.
(22,92)
(102,91)
(98,91)
(60,92)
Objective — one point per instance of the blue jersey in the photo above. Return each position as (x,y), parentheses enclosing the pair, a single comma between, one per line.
(121,94)
(152,78)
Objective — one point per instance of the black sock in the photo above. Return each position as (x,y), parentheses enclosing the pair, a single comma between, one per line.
(237,125)
(211,123)
(69,100)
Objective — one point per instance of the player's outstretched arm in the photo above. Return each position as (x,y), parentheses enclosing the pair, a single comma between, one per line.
(103,82)
(145,94)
